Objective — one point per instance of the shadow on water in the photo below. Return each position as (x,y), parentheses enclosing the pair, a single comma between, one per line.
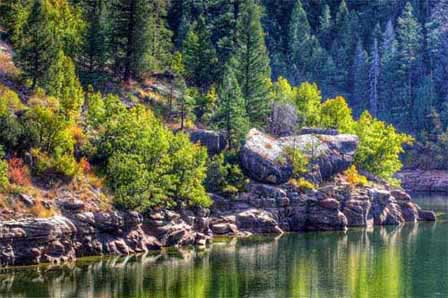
(404,261)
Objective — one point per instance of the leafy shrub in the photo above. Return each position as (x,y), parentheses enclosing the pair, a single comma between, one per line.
(380,146)
(146,164)
(18,172)
(336,113)
(224,176)
(4,181)
(354,178)
(298,160)
(11,130)
(9,100)
(302,184)
(50,136)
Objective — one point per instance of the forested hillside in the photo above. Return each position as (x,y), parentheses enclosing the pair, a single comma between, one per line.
(385,56)
(75,94)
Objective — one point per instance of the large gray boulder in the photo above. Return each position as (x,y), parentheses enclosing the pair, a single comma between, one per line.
(214,141)
(263,157)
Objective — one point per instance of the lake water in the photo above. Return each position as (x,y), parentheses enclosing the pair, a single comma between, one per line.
(406,261)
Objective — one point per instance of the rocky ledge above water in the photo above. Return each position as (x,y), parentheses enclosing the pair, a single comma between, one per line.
(424,181)
(268,205)
(262,209)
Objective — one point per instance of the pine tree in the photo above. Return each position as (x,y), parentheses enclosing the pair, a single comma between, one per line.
(409,38)
(325,27)
(96,51)
(159,49)
(423,104)
(200,56)
(388,38)
(33,42)
(62,82)
(231,114)
(223,16)
(374,74)
(390,105)
(361,80)
(344,46)
(299,52)
(252,62)
(129,40)
(437,41)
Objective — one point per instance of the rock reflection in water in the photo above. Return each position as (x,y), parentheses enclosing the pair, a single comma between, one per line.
(399,261)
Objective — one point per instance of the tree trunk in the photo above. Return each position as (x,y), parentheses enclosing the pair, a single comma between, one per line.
(130,42)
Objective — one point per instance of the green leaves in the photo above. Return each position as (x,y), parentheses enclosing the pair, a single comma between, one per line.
(380,146)
(145,163)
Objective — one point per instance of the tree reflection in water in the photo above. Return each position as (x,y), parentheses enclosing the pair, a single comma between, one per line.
(400,261)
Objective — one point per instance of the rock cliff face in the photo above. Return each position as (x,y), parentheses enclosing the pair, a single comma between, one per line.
(424,181)
(263,157)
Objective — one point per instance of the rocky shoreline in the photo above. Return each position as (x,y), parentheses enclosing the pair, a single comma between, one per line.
(269,204)
(424,180)
(263,209)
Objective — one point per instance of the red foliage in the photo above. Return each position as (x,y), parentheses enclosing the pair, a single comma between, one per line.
(85,165)
(18,172)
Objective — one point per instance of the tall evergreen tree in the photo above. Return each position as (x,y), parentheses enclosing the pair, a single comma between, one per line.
(96,49)
(200,56)
(389,105)
(231,113)
(325,27)
(437,41)
(34,48)
(374,75)
(409,38)
(252,62)
(299,52)
(134,24)
(361,80)
(344,46)
(159,49)
(63,83)
(45,27)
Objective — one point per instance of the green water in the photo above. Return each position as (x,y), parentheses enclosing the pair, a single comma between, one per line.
(407,261)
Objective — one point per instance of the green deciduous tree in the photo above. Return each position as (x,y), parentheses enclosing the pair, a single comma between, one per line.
(308,102)
(335,113)
(146,164)
(380,146)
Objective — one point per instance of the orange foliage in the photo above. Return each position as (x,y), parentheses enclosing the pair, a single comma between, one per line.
(85,166)
(18,172)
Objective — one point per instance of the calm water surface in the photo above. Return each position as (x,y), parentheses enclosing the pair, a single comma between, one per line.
(407,261)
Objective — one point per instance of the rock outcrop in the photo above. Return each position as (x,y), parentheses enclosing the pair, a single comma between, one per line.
(424,181)
(263,157)
(214,141)
(262,208)
(273,209)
